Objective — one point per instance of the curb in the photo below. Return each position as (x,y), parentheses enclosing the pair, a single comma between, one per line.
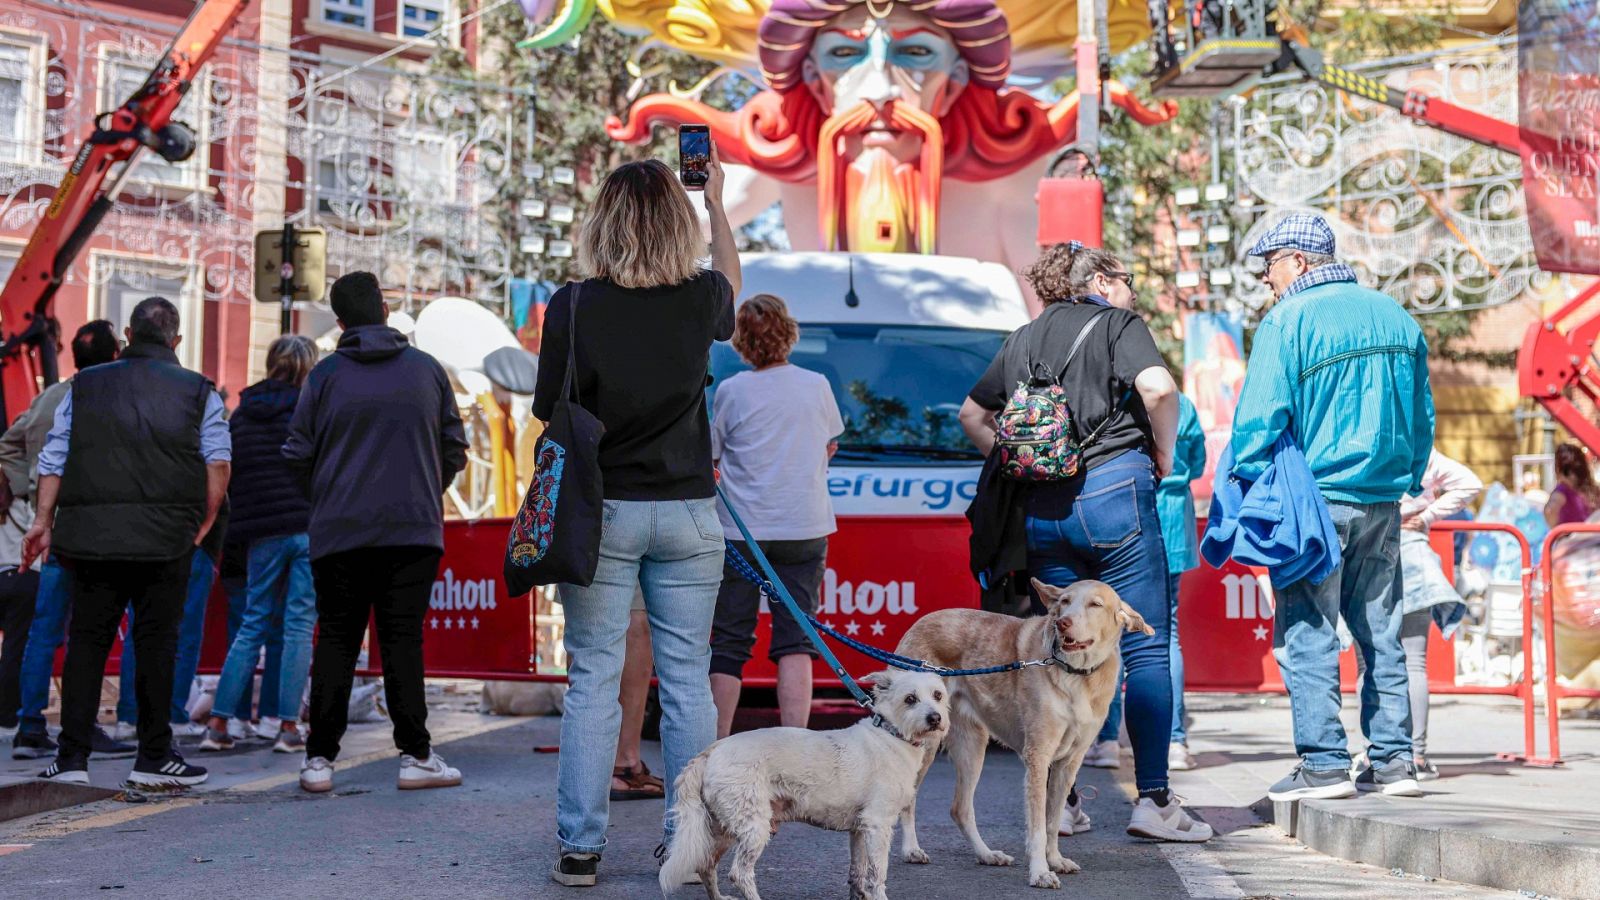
(31,796)
(1397,834)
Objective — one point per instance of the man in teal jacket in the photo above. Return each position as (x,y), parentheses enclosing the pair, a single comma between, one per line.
(1344,371)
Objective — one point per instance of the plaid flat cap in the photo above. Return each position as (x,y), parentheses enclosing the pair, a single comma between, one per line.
(1302,231)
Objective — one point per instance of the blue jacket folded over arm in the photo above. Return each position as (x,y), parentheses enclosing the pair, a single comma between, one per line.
(1279,521)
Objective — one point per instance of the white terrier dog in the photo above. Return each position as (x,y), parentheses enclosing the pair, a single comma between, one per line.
(856,779)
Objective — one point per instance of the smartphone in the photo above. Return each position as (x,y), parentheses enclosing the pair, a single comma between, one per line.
(694,155)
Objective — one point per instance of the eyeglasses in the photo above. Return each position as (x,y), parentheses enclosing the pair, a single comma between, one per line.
(1124,277)
(1271,261)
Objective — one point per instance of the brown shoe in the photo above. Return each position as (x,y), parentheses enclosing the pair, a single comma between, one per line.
(640,784)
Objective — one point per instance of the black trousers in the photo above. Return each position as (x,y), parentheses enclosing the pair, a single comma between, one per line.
(18,589)
(101,591)
(391,585)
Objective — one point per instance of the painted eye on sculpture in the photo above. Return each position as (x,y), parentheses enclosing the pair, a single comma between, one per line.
(845,53)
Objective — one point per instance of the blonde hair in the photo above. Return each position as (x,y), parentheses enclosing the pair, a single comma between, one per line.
(641,232)
(764,332)
(290,359)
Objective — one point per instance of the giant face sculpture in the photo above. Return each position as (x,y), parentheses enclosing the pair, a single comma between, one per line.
(903,57)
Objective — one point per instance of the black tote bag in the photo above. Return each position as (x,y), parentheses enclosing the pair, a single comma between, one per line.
(555,538)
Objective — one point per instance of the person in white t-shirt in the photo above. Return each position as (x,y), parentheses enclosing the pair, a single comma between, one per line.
(773,431)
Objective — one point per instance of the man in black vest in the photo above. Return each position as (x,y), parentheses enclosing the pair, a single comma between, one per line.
(131,478)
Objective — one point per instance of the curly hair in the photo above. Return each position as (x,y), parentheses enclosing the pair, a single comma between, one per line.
(764,332)
(1065,271)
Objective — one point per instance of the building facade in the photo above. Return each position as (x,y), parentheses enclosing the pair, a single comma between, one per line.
(295,122)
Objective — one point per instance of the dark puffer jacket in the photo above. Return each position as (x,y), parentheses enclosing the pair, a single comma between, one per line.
(268,499)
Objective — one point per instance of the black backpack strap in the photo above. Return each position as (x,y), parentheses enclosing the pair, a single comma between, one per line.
(1076,344)
(1115,414)
(569,385)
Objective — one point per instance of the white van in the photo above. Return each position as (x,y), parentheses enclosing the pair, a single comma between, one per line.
(901,338)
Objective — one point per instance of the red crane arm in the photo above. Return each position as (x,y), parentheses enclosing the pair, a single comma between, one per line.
(28,328)
(1554,361)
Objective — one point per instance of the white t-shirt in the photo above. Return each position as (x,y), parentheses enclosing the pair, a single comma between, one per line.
(770,432)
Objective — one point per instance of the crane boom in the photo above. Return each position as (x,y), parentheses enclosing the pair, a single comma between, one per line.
(28,328)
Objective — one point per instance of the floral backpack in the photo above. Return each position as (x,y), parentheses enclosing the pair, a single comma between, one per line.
(1034,433)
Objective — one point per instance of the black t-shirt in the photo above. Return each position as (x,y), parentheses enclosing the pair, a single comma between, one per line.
(644,356)
(1117,349)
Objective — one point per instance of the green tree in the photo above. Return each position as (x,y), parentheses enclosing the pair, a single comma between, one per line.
(1143,166)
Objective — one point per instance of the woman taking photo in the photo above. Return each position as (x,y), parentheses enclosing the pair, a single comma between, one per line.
(1100,523)
(646,317)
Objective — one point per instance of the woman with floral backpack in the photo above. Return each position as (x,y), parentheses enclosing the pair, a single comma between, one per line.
(1080,410)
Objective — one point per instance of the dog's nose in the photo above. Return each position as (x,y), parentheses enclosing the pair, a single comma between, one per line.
(934,720)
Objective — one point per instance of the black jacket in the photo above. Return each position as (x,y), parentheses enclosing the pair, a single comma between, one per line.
(377,438)
(266,493)
(999,542)
(134,487)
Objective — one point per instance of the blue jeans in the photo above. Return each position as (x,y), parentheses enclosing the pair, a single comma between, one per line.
(1108,731)
(45,636)
(202,572)
(281,597)
(238,599)
(1103,526)
(1365,590)
(673,550)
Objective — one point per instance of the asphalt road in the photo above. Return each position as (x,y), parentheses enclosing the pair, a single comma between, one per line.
(494,837)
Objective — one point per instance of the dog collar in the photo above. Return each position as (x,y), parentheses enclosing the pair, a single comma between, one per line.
(1055,657)
(880,722)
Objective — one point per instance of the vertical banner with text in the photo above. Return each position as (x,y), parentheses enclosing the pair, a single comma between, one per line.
(1559,105)
(1213,373)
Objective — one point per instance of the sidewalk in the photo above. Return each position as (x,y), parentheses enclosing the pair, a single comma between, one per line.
(1485,821)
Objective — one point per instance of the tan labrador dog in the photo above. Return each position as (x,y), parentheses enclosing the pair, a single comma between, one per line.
(1048,714)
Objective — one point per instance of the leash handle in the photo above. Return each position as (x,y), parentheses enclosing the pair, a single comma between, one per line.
(799,615)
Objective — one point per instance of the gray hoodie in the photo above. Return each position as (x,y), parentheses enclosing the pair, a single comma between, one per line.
(377,439)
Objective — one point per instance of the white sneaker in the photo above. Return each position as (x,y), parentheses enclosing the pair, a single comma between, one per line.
(189,729)
(316,775)
(1073,819)
(125,731)
(267,729)
(239,730)
(1104,755)
(1179,759)
(417,774)
(1166,823)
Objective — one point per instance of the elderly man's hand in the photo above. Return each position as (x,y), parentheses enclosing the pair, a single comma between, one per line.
(35,543)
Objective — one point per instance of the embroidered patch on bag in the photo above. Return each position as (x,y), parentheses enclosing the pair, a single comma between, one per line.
(535,525)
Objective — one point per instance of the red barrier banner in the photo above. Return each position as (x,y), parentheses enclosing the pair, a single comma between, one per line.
(473,625)
(884,573)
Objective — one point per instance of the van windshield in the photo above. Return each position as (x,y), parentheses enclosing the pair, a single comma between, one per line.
(899,387)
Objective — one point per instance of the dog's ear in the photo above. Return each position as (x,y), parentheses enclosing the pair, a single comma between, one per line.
(877,681)
(1130,619)
(1047,593)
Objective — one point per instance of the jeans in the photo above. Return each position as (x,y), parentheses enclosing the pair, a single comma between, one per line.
(238,599)
(674,550)
(45,635)
(18,587)
(280,592)
(1414,627)
(101,590)
(1103,526)
(1365,590)
(390,585)
(1108,731)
